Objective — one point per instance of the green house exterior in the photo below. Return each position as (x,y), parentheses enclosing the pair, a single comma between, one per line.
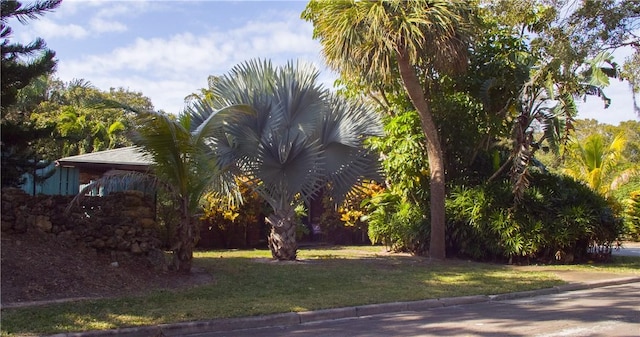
(72,173)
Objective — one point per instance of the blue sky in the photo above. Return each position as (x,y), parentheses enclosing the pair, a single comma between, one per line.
(167,49)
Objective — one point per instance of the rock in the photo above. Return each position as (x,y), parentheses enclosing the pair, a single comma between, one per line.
(144,246)
(124,245)
(97,224)
(111,242)
(158,259)
(135,248)
(5,225)
(115,264)
(42,222)
(20,225)
(146,223)
(99,243)
(132,200)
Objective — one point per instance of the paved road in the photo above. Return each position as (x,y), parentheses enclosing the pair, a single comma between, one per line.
(628,249)
(608,311)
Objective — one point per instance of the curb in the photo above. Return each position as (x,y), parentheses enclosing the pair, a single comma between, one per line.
(295,318)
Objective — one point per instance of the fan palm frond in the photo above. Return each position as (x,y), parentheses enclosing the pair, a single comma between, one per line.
(118,180)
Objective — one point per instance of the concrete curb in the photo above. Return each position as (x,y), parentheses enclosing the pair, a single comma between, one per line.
(295,318)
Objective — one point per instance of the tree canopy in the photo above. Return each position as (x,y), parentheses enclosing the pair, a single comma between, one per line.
(405,45)
(20,66)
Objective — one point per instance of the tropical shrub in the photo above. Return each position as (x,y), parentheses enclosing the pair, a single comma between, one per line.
(628,197)
(632,216)
(397,223)
(557,220)
(230,224)
(346,224)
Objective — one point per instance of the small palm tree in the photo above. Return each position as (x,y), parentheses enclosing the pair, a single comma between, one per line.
(181,167)
(298,138)
(598,164)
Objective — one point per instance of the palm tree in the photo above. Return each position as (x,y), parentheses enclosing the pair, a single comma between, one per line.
(181,167)
(376,40)
(598,164)
(298,139)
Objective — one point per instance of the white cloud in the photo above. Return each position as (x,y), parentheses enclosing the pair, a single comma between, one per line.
(122,8)
(166,94)
(278,36)
(188,52)
(48,29)
(166,69)
(100,25)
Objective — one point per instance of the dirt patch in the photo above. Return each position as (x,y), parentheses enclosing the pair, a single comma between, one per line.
(35,267)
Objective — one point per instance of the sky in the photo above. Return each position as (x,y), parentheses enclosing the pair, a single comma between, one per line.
(167,49)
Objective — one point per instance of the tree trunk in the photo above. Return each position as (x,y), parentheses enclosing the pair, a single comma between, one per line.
(186,238)
(434,152)
(282,239)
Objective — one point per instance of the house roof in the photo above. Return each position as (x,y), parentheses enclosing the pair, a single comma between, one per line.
(126,158)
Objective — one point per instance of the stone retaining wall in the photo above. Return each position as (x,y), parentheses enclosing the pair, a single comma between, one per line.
(120,222)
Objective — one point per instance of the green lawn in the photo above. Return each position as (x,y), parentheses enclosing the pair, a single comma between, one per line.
(248,283)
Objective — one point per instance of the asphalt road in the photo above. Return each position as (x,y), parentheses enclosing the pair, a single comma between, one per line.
(607,311)
(628,249)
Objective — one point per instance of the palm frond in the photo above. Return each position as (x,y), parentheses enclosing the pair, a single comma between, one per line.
(291,140)
(118,180)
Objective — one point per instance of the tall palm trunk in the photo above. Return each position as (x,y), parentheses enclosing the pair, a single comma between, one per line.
(434,152)
(186,238)
(282,239)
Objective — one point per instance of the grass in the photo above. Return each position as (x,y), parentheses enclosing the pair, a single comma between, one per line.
(248,283)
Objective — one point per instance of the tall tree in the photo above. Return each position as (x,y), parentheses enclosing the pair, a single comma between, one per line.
(416,41)
(20,66)
(298,139)
(569,42)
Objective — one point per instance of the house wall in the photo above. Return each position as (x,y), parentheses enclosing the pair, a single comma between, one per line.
(64,181)
(119,222)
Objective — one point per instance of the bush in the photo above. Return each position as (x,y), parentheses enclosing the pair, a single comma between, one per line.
(344,223)
(397,223)
(558,219)
(227,225)
(632,216)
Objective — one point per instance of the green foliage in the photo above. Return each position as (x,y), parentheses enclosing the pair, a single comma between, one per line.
(301,229)
(464,140)
(403,148)
(596,162)
(397,223)
(566,57)
(167,216)
(558,219)
(85,119)
(229,221)
(632,215)
(21,66)
(398,216)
